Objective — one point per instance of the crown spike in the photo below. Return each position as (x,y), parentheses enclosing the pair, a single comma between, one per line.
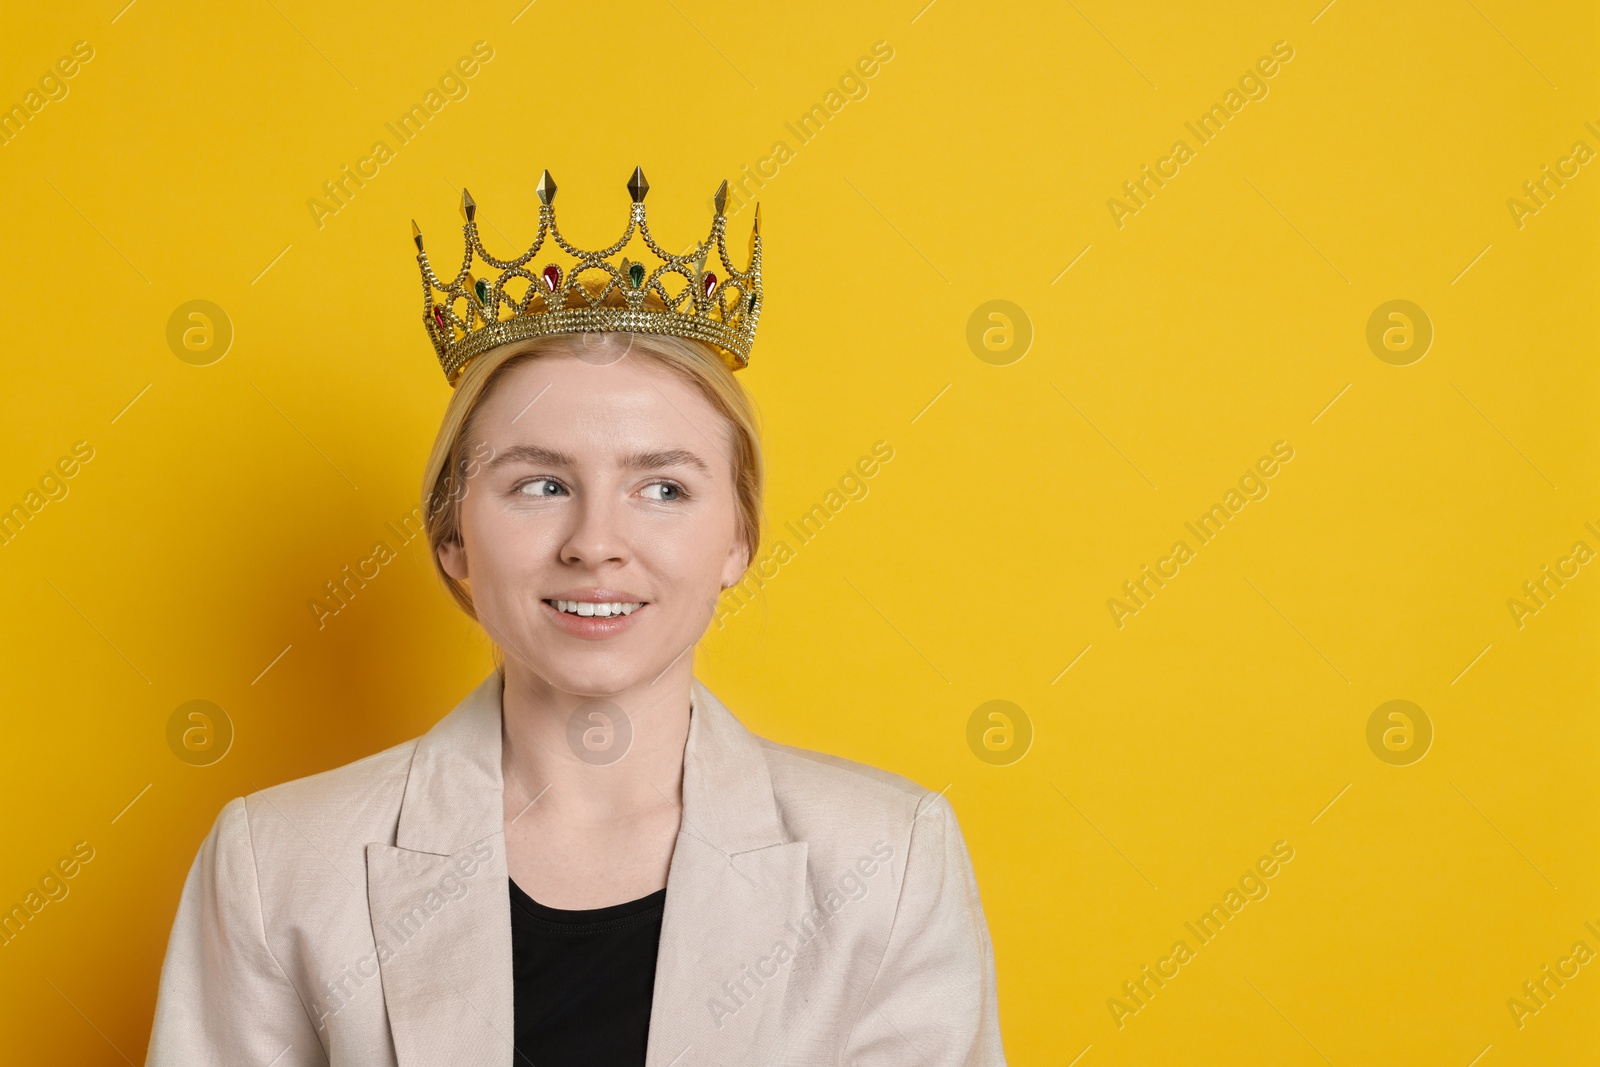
(491,317)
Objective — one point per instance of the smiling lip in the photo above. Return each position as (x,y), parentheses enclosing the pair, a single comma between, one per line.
(591,627)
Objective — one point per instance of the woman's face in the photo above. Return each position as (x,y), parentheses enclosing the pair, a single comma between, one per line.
(599,524)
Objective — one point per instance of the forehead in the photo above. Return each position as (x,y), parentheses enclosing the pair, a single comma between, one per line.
(568,401)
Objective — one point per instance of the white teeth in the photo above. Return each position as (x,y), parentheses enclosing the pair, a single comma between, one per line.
(588,609)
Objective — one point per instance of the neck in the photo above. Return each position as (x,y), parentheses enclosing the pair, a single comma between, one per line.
(594,758)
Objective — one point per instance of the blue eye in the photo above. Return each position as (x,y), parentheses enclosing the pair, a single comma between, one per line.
(540,487)
(670,491)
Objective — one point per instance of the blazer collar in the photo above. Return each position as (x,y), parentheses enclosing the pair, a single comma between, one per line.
(447,978)
(453,793)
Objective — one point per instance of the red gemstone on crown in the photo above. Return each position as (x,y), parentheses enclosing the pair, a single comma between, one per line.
(710,282)
(438,318)
(552,277)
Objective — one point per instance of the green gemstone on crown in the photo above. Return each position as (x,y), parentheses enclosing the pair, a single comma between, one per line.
(482,289)
(636,274)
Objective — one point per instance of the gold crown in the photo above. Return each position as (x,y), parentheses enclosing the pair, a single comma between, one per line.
(593,293)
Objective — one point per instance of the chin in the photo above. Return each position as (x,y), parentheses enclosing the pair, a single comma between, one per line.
(597,675)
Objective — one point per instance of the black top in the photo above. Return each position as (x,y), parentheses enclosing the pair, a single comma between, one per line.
(582,980)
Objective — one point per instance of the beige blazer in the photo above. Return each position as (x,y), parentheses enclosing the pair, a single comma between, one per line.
(818,911)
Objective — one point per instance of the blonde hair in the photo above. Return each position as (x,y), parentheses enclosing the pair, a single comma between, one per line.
(444,482)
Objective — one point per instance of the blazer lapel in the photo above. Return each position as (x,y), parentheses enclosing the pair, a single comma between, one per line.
(734,886)
(438,897)
(441,913)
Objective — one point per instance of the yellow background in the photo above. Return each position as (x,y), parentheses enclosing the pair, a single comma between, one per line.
(1229,313)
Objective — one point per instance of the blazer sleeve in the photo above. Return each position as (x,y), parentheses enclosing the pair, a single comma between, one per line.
(935,987)
(224,999)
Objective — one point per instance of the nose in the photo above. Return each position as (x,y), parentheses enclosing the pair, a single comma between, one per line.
(598,533)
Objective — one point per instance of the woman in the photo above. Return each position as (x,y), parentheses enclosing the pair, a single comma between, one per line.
(590,860)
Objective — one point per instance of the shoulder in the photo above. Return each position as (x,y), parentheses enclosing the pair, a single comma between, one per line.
(824,798)
(804,776)
(332,813)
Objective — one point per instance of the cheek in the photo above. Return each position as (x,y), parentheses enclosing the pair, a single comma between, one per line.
(685,565)
(500,542)
(680,559)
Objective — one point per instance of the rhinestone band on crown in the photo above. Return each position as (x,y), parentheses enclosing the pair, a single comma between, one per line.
(723,312)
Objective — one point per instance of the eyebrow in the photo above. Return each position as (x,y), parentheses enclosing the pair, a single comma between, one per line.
(647,460)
